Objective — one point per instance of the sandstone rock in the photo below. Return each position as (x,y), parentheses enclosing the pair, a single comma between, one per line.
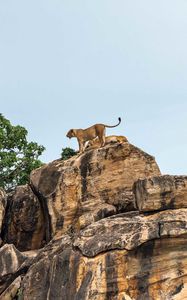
(54,247)
(113,238)
(130,230)
(90,186)
(48,266)
(24,222)
(3,201)
(11,260)
(127,256)
(161,192)
(12,290)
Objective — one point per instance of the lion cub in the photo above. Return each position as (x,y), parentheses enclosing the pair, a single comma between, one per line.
(108,139)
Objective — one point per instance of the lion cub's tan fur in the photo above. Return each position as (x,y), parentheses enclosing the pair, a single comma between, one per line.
(108,139)
(88,134)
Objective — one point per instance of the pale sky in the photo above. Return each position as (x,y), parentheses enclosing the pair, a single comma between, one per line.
(70,64)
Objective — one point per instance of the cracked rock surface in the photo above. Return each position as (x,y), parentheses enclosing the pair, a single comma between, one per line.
(104,225)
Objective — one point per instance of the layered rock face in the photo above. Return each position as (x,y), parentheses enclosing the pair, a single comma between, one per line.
(113,227)
(91,186)
(3,202)
(159,193)
(24,223)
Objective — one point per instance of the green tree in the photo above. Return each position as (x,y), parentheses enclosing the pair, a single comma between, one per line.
(67,153)
(18,157)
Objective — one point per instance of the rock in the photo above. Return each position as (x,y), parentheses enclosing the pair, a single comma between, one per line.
(161,192)
(130,230)
(11,261)
(47,279)
(90,186)
(127,256)
(12,290)
(24,221)
(3,201)
(48,269)
(115,230)
(102,211)
(54,247)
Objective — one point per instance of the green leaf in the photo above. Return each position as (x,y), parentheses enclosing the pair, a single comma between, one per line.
(18,157)
(67,153)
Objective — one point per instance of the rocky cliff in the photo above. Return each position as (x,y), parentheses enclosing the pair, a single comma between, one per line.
(104,225)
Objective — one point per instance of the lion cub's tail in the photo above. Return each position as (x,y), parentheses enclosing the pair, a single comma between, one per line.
(108,126)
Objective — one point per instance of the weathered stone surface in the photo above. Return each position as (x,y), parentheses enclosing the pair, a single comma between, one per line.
(130,230)
(3,201)
(49,271)
(156,270)
(161,192)
(11,261)
(91,186)
(24,221)
(54,247)
(113,238)
(12,290)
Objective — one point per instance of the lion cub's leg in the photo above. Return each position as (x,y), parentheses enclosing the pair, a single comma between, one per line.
(103,141)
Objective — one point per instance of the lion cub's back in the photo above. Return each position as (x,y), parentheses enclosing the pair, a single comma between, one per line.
(108,139)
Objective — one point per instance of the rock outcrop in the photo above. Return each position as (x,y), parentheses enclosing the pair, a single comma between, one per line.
(147,272)
(105,225)
(13,263)
(2,209)
(162,192)
(91,186)
(24,223)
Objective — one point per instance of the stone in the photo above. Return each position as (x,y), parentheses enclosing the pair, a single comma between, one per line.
(126,256)
(12,290)
(130,230)
(24,221)
(11,262)
(3,202)
(91,186)
(114,229)
(10,259)
(161,192)
(47,267)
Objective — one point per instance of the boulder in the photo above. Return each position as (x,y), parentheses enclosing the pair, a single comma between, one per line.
(12,264)
(90,186)
(12,290)
(114,229)
(24,221)
(130,230)
(10,259)
(3,201)
(161,192)
(129,256)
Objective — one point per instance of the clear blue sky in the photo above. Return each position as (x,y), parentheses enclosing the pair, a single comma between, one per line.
(74,63)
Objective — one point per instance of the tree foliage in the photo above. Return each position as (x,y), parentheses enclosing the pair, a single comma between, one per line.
(18,157)
(67,153)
